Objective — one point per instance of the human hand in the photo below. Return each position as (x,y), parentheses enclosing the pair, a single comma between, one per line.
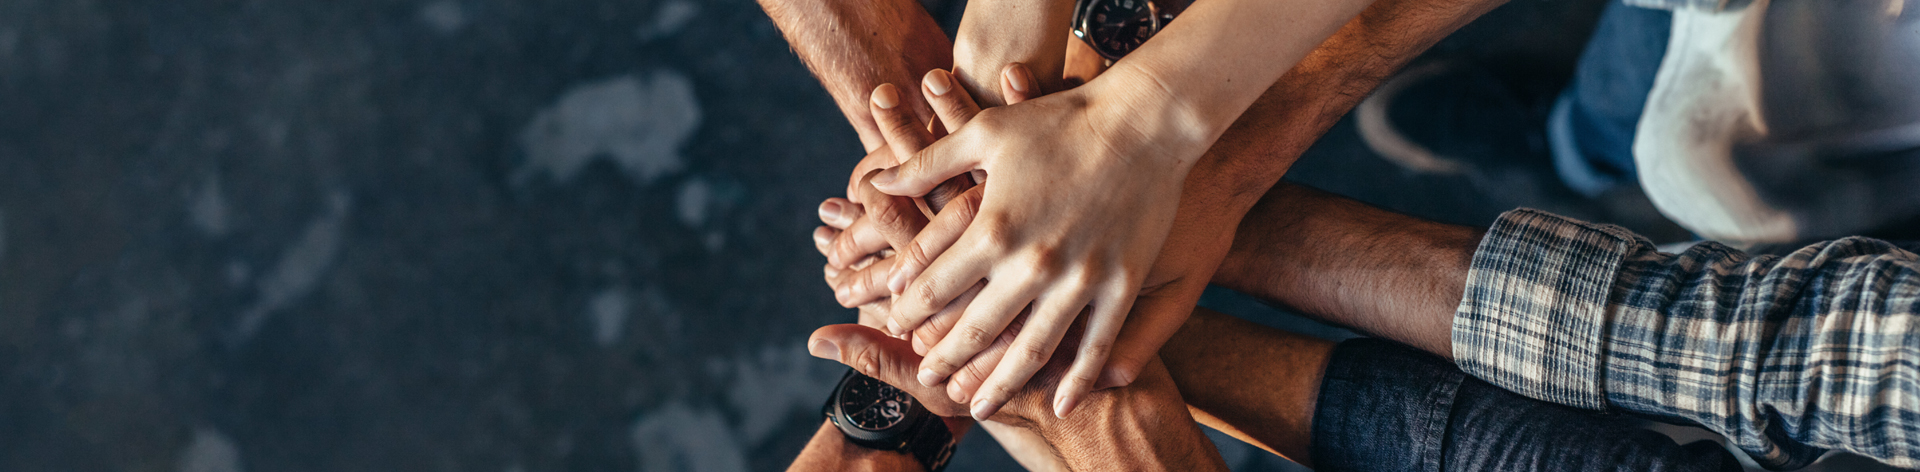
(1144,426)
(860,230)
(996,33)
(1060,172)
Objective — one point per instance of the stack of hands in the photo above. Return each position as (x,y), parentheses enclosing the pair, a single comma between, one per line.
(970,247)
(991,236)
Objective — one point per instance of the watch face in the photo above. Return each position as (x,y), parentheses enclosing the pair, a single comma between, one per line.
(873,405)
(1117,27)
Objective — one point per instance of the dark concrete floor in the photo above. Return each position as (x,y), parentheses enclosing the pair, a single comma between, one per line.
(472,234)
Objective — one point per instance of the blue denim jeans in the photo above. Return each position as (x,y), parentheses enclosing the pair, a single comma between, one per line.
(1592,126)
(1387,407)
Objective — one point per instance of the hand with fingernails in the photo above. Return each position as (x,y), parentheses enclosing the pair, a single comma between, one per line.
(1078,199)
(1145,426)
(858,238)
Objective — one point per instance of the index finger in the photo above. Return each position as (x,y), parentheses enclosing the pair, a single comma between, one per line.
(880,158)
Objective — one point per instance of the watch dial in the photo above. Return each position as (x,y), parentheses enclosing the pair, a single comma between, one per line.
(873,405)
(1116,27)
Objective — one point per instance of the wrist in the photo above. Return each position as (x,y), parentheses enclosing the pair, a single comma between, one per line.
(1142,110)
(957,425)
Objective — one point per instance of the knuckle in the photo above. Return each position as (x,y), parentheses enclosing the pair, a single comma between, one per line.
(845,253)
(925,294)
(914,255)
(968,377)
(997,232)
(866,359)
(1047,261)
(889,215)
(1000,390)
(1098,348)
(1081,281)
(1083,376)
(971,335)
(900,126)
(929,334)
(1029,354)
(940,363)
(871,280)
(969,204)
(1013,330)
(990,120)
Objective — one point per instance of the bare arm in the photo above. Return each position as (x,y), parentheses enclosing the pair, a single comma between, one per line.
(854,46)
(1352,264)
(1259,148)
(830,451)
(1258,384)
(995,33)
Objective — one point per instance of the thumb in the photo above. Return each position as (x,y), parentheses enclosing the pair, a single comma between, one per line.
(882,357)
(928,168)
(1154,319)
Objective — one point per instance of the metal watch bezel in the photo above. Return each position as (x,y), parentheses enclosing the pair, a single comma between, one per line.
(1081,29)
(892,438)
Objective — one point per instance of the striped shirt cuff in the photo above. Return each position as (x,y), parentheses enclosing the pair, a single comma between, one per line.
(1534,311)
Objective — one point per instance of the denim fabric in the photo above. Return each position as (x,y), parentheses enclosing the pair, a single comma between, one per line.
(1385,407)
(1592,126)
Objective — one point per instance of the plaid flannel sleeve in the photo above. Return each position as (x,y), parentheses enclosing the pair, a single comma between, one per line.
(1785,355)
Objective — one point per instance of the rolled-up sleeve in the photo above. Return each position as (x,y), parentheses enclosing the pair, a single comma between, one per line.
(1785,355)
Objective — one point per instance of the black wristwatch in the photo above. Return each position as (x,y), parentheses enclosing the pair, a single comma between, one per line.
(1117,27)
(878,416)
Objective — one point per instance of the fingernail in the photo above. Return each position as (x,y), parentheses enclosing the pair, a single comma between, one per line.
(928,377)
(893,327)
(842,294)
(958,393)
(938,82)
(825,350)
(1114,377)
(1020,79)
(885,177)
(830,211)
(1063,405)
(984,409)
(897,283)
(822,236)
(886,97)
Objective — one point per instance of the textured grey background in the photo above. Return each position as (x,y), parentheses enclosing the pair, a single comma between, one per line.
(473,235)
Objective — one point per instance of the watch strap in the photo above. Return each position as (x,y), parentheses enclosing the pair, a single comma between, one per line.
(928,441)
(931,443)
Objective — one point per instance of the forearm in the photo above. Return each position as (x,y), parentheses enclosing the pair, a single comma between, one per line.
(1308,100)
(1174,99)
(1289,117)
(853,47)
(830,451)
(1352,264)
(1255,383)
